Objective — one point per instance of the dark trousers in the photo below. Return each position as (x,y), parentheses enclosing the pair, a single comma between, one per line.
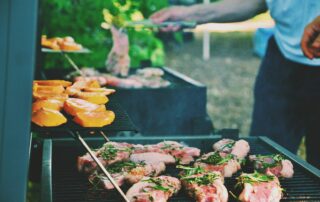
(287,103)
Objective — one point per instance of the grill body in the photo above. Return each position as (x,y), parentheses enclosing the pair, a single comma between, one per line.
(62,182)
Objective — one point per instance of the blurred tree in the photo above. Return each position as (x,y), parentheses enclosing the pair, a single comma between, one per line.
(82,20)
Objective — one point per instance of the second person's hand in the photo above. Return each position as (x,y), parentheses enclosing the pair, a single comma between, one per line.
(310,42)
(174,13)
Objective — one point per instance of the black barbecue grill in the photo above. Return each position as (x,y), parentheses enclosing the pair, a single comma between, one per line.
(62,182)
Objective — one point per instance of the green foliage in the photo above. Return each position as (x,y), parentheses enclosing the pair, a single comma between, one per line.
(82,20)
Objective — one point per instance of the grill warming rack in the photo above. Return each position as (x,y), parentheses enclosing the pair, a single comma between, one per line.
(62,182)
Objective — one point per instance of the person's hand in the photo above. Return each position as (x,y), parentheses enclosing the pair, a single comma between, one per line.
(310,42)
(175,13)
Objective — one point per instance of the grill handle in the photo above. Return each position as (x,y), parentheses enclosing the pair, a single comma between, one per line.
(85,145)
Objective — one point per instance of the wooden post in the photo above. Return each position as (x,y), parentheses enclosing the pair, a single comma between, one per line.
(206,40)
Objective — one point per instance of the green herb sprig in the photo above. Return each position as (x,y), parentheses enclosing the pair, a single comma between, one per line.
(109,152)
(216,159)
(123,166)
(206,179)
(157,184)
(277,158)
(228,145)
(188,171)
(254,178)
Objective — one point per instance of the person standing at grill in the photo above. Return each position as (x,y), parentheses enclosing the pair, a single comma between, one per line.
(287,88)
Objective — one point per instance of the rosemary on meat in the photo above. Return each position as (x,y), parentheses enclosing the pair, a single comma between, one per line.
(121,166)
(206,179)
(166,146)
(188,171)
(228,145)
(276,160)
(157,184)
(254,178)
(109,151)
(216,159)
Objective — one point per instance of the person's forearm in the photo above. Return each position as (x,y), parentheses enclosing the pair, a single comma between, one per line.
(225,11)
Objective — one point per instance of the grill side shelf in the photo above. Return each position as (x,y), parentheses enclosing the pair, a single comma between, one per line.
(122,123)
(300,162)
(46,176)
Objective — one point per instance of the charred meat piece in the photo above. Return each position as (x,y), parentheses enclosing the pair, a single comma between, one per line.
(109,153)
(126,171)
(258,187)
(238,148)
(183,154)
(224,163)
(274,164)
(204,186)
(154,189)
(152,158)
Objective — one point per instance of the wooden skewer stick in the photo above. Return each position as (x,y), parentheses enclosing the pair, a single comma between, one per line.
(78,136)
(72,63)
(104,136)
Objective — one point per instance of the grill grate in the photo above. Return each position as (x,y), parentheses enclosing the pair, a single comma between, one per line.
(69,185)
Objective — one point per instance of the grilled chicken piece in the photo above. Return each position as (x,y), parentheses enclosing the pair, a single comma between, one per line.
(109,153)
(48,117)
(73,106)
(100,180)
(224,163)
(259,187)
(205,186)
(93,97)
(52,83)
(274,164)
(183,154)
(152,158)
(238,148)
(127,171)
(151,170)
(155,189)
(94,119)
(49,104)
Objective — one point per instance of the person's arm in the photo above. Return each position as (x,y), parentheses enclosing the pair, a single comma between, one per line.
(221,11)
(310,42)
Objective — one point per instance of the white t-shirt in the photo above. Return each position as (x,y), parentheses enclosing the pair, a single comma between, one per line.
(291,17)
